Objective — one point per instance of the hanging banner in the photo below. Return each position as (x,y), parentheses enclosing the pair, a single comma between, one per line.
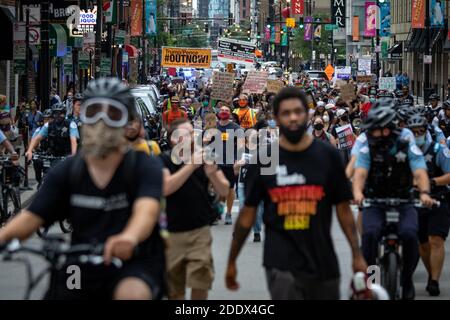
(284,37)
(418,14)
(298,6)
(277,35)
(150,17)
(318,33)
(272,34)
(110,11)
(136,22)
(385,19)
(267,34)
(186,57)
(308,29)
(338,13)
(355,28)
(371,19)
(230,50)
(437,11)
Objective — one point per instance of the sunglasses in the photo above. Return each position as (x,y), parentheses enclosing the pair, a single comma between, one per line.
(112,112)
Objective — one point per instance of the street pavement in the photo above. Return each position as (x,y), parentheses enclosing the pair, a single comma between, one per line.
(250,272)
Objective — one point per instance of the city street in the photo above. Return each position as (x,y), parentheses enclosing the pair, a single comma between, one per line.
(250,272)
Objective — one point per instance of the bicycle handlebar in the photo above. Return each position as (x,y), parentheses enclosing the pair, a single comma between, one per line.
(395,202)
(53,250)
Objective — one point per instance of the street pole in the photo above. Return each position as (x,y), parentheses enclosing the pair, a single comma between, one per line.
(426,83)
(27,54)
(98,39)
(45,57)
(144,42)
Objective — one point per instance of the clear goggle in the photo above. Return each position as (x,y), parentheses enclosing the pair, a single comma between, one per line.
(112,112)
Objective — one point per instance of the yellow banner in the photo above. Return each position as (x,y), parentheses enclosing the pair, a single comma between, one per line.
(186,57)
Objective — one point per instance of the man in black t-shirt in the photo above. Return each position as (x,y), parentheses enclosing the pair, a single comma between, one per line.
(186,184)
(111,196)
(309,180)
(229,137)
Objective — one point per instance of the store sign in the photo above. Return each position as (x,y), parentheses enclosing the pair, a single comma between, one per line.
(338,12)
(81,21)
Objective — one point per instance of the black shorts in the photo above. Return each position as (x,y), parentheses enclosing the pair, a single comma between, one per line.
(228,171)
(434,222)
(99,282)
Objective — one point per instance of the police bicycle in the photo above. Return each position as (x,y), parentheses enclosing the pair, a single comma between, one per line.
(57,252)
(390,250)
(10,189)
(48,162)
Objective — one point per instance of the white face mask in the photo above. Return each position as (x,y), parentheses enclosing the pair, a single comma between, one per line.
(326,119)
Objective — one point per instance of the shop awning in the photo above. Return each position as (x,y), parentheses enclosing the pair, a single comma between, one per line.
(58,48)
(6,25)
(396,51)
(131,50)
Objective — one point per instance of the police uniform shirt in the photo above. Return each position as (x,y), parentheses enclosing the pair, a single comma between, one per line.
(2,137)
(415,156)
(442,155)
(73,132)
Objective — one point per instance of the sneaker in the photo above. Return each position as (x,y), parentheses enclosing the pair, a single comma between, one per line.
(433,288)
(409,292)
(228,219)
(256,237)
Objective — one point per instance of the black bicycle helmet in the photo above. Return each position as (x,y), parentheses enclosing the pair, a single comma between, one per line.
(58,107)
(112,89)
(420,110)
(47,113)
(446,104)
(404,112)
(384,103)
(417,121)
(77,97)
(380,117)
(433,96)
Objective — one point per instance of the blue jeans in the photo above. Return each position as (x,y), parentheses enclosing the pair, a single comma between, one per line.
(259,211)
(373,221)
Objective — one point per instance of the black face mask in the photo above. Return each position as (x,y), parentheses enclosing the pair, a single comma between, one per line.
(382,144)
(293,136)
(344,118)
(318,126)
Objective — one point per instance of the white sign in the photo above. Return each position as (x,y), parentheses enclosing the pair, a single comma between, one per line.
(427,59)
(365,65)
(19,52)
(19,32)
(387,83)
(34,35)
(35,14)
(81,21)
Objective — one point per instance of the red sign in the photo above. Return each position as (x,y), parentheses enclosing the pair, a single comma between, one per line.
(298,6)
(418,14)
(136,22)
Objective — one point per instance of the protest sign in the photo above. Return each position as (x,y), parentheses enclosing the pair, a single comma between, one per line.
(186,57)
(222,86)
(367,79)
(274,85)
(387,83)
(346,139)
(348,92)
(255,82)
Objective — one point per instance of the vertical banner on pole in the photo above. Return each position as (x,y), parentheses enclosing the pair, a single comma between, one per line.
(437,13)
(338,13)
(308,29)
(110,11)
(136,22)
(371,19)
(385,19)
(355,28)
(298,6)
(150,17)
(418,14)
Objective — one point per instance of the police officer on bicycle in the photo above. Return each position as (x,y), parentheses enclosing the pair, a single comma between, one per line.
(386,166)
(434,223)
(442,120)
(62,135)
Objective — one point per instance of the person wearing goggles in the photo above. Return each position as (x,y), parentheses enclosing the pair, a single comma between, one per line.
(62,135)
(111,194)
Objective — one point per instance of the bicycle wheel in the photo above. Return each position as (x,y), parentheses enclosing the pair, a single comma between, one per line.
(14,195)
(66,226)
(390,277)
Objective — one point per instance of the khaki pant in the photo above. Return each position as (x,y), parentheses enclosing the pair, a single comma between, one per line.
(189,261)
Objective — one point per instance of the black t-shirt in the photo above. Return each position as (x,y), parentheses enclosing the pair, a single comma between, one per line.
(187,208)
(227,131)
(97,214)
(298,202)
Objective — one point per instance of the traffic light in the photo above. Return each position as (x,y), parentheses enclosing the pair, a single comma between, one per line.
(206,27)
(268,22)
(330,39)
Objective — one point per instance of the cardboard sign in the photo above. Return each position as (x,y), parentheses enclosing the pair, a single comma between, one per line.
(222,86)
(274,86)
(346,139)
(348,92)
(255,82)
(387,83)
(177,80)
(186,57)
(368,78)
